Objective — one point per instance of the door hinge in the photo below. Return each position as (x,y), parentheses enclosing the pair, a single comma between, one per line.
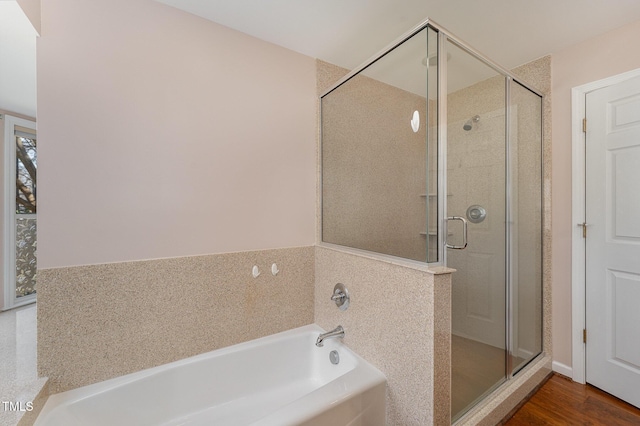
(584,125)
(584,229)
(584,335)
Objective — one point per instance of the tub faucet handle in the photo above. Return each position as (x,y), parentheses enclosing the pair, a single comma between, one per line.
(340,296)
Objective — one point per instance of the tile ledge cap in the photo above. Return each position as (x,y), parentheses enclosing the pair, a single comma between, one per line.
(440,270)
(392,260)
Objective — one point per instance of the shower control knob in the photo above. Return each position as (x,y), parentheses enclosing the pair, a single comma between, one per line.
(340,296)
(476,214)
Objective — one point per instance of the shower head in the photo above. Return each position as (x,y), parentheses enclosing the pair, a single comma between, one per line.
(469,124)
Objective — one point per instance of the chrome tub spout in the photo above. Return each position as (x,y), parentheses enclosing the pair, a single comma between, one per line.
(337,332)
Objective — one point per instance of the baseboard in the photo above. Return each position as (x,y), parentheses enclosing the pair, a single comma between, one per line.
(560,368)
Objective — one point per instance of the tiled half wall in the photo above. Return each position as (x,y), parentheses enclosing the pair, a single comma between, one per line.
(101,321)
(399,320)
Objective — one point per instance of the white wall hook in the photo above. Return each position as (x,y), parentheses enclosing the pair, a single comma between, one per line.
(255,272)
(415,121)
(274,269)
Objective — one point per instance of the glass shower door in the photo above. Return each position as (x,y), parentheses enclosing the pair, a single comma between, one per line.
(525,269)
(476,198)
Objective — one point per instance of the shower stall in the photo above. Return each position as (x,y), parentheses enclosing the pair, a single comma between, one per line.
(433,153)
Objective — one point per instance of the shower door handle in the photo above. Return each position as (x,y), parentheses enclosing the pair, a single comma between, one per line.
(464,234)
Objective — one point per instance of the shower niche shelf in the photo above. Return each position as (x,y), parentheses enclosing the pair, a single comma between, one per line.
(430,195)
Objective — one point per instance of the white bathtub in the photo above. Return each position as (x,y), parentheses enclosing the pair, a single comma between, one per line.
(278,380)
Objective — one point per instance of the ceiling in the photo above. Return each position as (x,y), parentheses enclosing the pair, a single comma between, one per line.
(348,32)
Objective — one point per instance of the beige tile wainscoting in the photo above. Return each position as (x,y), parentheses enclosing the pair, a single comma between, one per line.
(101,321)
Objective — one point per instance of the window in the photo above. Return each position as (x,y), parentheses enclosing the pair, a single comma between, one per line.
(20,245)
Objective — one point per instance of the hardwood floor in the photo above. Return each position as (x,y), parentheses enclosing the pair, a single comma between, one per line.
(561,401)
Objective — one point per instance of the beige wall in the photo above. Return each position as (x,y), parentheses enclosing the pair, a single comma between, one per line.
(600,57)
(163,134)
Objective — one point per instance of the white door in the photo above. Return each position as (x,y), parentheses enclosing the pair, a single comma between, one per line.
(613,240)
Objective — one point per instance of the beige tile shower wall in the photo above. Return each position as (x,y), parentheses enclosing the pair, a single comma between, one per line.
(363,206)
(398,320)
(101,321)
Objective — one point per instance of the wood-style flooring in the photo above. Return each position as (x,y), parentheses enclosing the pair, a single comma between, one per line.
(561,401)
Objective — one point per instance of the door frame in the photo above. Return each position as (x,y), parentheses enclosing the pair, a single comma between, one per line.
(578,243)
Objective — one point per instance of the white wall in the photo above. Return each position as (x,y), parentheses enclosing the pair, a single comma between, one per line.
(600,57)
(162,134)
